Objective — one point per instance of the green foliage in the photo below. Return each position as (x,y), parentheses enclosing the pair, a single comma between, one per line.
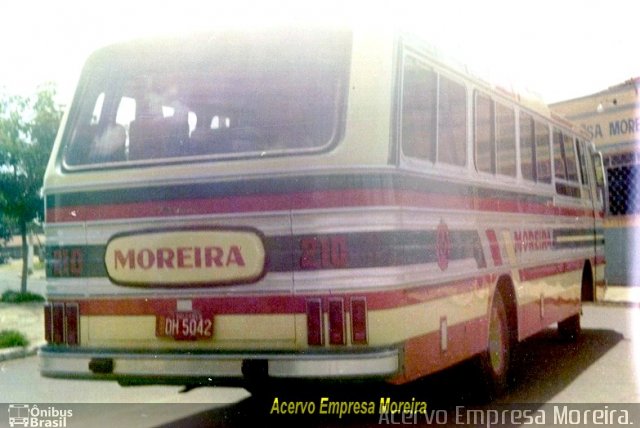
(11,338)
(28,127)
(11,296)
(6,226)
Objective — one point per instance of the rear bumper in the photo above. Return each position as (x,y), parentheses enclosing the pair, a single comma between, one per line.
(213,368)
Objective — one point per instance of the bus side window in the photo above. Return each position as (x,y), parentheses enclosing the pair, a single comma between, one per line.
(570,158)
(484,134)
(419,95)
(452,122)
(600,181)
(543,153)
(527,148)
(495,137)
(559,164)
(584,175)
(566,165)
(506,140)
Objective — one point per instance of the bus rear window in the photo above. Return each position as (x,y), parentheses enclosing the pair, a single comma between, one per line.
(237,95)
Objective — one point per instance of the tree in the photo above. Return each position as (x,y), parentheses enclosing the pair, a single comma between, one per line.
(28,126)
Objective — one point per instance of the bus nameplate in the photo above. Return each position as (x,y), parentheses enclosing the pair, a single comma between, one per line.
(197,257)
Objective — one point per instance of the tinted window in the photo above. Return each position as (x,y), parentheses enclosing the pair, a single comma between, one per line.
(485,148)
(527,148)
(241,95)
(452,122)
(506,140)
(543,153)
(419,95)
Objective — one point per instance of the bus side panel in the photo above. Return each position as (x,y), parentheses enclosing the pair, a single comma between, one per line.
(450,342)
(549,299)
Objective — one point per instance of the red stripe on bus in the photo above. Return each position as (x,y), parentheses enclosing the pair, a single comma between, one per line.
(538,272)
(300,201)
(494,246)
(280,304)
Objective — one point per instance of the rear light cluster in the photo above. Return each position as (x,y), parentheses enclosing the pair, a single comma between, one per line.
(62,323)
(337,321)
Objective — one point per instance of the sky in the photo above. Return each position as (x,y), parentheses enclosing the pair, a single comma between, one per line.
(557,49)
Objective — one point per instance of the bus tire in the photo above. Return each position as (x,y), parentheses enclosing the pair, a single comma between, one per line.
(569,329)
(495,360)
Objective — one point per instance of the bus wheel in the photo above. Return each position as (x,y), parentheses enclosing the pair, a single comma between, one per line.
(494,362)
(569,329)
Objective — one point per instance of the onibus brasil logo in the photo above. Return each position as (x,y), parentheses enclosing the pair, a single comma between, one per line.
(27,415)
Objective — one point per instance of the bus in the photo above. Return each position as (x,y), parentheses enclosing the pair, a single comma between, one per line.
(314,204)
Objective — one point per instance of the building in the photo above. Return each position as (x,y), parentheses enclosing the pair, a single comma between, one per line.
(12,249)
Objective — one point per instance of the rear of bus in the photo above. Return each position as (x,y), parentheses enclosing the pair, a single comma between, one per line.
(202,199)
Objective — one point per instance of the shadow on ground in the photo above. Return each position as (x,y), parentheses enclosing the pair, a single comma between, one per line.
(544,366)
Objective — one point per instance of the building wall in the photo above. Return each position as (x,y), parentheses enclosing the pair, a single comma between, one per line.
(12,249)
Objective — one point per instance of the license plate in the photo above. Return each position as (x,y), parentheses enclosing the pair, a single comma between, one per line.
(187,325)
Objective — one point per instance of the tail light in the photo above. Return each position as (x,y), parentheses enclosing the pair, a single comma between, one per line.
(58,323)
(336,322)
(48,323)
(62,323)
(314,322)
(71,314)
(359,320)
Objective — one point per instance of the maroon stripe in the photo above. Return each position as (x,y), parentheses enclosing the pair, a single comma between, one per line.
(494,246)
(302,201)
(538,272)
(280,304)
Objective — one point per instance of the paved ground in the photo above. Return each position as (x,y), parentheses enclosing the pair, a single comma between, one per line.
(29,318)
(619,294)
